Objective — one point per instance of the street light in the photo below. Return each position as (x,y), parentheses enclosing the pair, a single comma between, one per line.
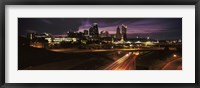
(174,55)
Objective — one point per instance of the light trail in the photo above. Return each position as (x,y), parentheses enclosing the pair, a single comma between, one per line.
(173,65)
(74,50)
(124,63)
(119,61)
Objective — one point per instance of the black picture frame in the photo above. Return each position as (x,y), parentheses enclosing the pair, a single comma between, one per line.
(98,2)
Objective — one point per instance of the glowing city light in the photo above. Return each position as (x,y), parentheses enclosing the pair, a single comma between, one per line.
(174,55)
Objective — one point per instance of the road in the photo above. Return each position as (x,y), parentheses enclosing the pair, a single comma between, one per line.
(124,63)
(75,50)
(173,65)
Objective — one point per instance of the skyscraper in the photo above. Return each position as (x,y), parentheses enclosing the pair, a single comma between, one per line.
(31,36)
(124,28)
(85,32)
(94,31)
(104,34)
(107,33)
(118,34)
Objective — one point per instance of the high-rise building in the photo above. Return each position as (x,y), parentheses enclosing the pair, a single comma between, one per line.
(124,29)
(75,34)
(31,36)
(94,31)
(107,33)
(104,34)
(85,32)
(118,34)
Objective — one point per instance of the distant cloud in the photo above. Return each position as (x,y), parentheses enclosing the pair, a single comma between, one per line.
(138,27)
(30,31)
(156,27)
(46,21)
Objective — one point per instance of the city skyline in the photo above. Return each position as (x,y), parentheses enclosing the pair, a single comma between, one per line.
(157,28)
(100,44)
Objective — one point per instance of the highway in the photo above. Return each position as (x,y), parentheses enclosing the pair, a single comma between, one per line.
(74,50)
(128,60)
(173,65)
(124,63)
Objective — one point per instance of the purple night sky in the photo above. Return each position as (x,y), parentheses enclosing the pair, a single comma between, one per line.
(156,28)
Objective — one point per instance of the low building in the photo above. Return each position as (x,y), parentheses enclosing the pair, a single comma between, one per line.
(59,40)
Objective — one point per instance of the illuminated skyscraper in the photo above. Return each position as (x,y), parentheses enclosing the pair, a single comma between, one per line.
(94,31)
(118,34)
(124,28)
(31,36)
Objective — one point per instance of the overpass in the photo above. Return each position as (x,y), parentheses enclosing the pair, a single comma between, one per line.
(75,50)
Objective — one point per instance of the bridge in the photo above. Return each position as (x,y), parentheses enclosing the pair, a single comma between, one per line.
(76,50)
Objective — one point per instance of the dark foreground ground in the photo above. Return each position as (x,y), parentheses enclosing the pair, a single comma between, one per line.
(41,59)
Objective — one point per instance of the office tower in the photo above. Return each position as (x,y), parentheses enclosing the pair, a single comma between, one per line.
(31,36)
(86,32)
(107,33)
(104,34)
(118,34)
(124,29)
(93,31)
